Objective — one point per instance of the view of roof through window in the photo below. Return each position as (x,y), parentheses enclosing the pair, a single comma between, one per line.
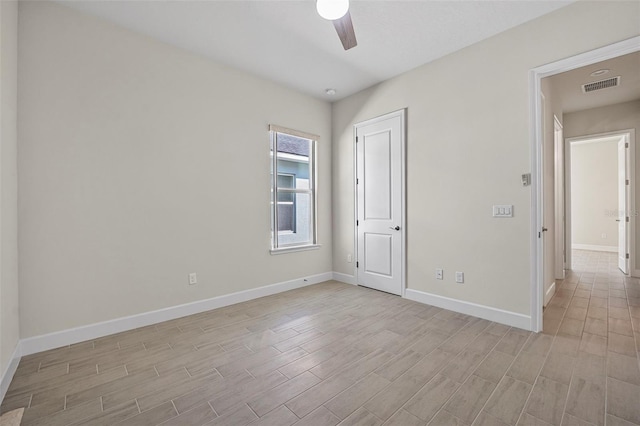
(293,145)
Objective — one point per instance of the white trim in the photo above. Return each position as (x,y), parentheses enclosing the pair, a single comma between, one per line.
(58,339)
(614,50)
(293,249)
(537,267)
(549,294)
(292,132)
(632,249)
(559,207)
(8,373)
(345,278)
(592,247)
(512,319)
(578,140)
(568,233)
(355,204)
(535,76)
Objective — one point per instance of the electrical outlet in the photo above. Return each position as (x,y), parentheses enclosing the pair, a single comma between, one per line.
(349,258)
(439,274)
(459,277)
(193,278)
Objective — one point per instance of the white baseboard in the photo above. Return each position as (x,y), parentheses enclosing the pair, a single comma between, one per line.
(344,278)
(512,319)
(550,292)
(8,373)
(58,339)
(93,331)
(591,247)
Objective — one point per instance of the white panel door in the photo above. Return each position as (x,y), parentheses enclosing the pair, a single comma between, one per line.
(623,262)
(380,225)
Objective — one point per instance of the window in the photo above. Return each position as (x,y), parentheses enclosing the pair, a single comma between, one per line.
(293,193)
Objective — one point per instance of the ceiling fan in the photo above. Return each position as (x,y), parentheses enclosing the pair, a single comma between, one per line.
(337,11)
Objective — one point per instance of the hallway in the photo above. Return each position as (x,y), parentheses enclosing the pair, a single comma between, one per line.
(592,368)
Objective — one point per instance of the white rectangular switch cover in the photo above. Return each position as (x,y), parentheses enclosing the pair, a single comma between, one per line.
(503,210)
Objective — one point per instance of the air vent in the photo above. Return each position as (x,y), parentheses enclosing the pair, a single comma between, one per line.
(602,84)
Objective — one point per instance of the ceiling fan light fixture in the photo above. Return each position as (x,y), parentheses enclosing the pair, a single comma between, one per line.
(332,9)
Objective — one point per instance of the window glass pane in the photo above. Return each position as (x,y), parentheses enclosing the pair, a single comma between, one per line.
(286,218)
(286,197)
(295,221)
(285,181)
(294,162)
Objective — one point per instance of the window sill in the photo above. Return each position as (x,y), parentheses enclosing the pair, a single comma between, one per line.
(284,250)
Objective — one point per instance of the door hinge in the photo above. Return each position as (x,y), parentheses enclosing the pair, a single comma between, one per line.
(539,234)
(356,139)
(357,264)
(626,181)
(357,223)
(626,144)
(627,256)
(357,181)
(627,218)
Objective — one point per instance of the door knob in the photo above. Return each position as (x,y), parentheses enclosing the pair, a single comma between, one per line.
(544,229)
(396,228)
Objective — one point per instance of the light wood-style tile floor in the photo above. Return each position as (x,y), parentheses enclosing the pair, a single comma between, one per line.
(337,354)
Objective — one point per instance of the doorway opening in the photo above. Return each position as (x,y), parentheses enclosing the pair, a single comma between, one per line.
(600,195)
(537,283)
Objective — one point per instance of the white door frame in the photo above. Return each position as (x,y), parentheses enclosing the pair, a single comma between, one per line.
(536,140)
(560,213)
(629,135)
(403,226)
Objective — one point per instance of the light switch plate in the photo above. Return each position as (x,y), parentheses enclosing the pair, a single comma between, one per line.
(503,210)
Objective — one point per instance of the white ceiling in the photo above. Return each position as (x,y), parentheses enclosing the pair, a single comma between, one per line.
(287,42)
(567,86)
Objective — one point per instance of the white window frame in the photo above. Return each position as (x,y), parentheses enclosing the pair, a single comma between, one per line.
(312,191)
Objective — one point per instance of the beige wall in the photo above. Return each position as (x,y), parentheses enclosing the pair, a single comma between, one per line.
(468,142)
(594,193)
(140,163)
(9,318)
(608,119)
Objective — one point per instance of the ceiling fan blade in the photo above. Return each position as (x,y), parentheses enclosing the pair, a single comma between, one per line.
(344,27)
